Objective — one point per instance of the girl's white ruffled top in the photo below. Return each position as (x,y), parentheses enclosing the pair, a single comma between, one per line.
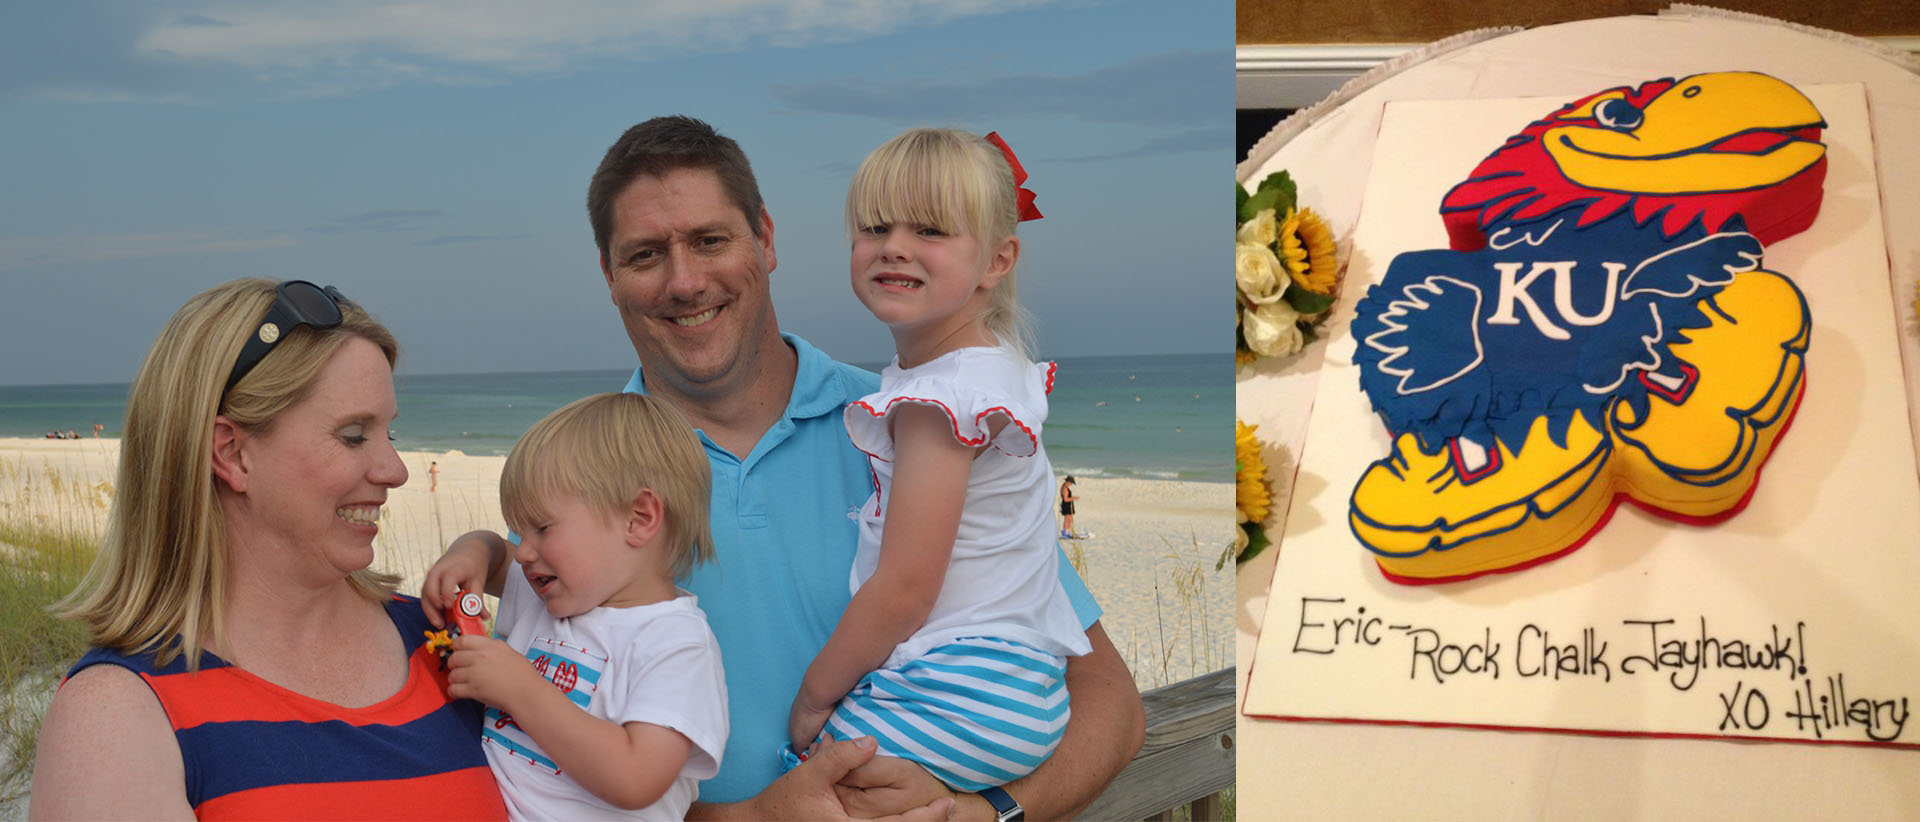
(1003,579)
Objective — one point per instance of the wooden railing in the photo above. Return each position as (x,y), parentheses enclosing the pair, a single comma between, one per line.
(1187,759)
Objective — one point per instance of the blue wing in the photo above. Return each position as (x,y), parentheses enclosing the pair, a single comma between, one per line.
(1443,314)
(1708,263)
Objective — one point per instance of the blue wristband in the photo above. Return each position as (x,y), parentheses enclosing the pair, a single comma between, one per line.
(1004,806)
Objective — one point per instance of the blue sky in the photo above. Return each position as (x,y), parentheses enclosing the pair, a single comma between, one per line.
(431,160)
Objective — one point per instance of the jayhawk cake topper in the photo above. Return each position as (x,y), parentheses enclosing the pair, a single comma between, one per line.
(1604,328)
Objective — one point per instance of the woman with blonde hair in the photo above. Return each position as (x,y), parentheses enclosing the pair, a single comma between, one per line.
(247,663)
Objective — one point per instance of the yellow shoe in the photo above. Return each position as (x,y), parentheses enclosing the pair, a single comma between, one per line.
(1699,449)
(1461,512)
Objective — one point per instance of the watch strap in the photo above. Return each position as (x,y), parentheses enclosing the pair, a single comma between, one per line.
(1003,803)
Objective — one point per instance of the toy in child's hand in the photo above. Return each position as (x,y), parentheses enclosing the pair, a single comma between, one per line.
(463,617)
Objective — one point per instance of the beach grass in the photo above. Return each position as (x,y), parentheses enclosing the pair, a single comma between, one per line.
(49,532)
(1182,639)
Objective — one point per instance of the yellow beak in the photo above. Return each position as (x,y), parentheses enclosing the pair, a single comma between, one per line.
(1672,149)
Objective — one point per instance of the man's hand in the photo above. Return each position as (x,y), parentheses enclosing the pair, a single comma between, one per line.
(887,784)
(491,671)
(807,792)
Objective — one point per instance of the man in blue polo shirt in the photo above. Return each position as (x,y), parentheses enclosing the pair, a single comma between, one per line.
(686,246)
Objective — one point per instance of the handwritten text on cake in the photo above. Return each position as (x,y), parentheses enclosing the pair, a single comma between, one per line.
(1763,678)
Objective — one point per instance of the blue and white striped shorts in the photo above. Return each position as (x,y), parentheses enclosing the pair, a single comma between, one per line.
(976,712)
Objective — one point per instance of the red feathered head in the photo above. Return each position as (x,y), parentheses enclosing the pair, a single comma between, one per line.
(1702,150)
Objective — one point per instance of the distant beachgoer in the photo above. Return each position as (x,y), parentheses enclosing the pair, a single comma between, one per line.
(1067,498)
(98,429)
(71,435)
(433,477)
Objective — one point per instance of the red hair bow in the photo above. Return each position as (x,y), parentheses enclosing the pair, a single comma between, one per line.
(1027,211)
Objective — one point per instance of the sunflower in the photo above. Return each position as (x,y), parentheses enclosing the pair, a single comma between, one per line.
(1250,475)
(1306,251)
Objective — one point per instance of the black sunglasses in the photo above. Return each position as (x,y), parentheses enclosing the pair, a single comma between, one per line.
(295,303)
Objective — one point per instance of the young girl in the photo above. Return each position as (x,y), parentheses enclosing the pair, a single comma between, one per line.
(952,651)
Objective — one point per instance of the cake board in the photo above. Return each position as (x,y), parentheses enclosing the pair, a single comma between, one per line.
(1800,600)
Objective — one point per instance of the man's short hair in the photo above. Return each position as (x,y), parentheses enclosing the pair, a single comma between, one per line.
(661,145)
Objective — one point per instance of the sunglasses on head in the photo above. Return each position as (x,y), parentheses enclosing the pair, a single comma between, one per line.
(295,303)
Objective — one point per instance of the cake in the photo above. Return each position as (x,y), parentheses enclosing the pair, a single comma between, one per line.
(1603,328)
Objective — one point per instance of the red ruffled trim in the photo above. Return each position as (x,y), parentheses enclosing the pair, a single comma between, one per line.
(954,419)
(1051,367)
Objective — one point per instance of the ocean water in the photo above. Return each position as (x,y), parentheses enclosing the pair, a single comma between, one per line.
(1157,417)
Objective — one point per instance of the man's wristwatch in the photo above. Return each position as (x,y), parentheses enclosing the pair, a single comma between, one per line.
(1004,806)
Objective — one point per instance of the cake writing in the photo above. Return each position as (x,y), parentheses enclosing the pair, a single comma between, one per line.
(1774,687)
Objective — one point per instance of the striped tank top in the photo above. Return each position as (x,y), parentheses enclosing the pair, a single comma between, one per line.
(255,750)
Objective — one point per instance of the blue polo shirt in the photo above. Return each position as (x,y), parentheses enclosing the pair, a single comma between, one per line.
(784,529)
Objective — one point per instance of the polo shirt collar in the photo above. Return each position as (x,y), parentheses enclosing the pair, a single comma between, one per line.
(818,386)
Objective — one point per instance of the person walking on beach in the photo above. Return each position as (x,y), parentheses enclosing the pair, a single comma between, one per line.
(433,476)
(958,618)
(1067,498)
(686,249)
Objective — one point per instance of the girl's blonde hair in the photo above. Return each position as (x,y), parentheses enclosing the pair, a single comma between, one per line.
(160,581)
(603,450)
(954,181)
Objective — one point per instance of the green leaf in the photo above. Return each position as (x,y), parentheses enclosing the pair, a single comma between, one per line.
(1263,200)
(1240,197)
(1307,302)
(1256,541)
(1288,194)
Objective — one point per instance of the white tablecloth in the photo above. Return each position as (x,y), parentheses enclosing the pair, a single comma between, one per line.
(1325,770)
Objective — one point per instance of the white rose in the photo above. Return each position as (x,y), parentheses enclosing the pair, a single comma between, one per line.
(1257,271)
(1273,329)
(1262,230)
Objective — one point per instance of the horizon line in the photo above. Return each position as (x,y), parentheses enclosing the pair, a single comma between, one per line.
(403,373)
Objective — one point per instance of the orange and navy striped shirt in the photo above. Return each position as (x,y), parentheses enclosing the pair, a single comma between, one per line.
(255,750)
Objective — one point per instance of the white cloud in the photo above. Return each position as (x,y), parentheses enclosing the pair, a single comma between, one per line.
(516,36)
(19,252)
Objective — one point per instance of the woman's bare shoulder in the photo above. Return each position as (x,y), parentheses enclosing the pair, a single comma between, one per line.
(107,750)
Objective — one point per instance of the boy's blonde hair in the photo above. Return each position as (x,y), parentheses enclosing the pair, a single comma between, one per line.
(954,181)
(162,569)
(603,450)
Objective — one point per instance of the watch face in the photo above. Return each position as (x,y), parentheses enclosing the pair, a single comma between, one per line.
(1004,805)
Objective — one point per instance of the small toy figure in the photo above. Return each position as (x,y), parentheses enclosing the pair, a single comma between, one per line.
(462,618)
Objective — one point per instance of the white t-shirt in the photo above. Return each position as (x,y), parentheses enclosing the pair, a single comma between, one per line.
(1003,578)
(653,663)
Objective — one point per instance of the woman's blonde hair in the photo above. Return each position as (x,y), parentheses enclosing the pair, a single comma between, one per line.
(162,571)
(603,450)
(954,181)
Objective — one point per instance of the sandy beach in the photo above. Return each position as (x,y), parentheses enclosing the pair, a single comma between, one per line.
(1149,556)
